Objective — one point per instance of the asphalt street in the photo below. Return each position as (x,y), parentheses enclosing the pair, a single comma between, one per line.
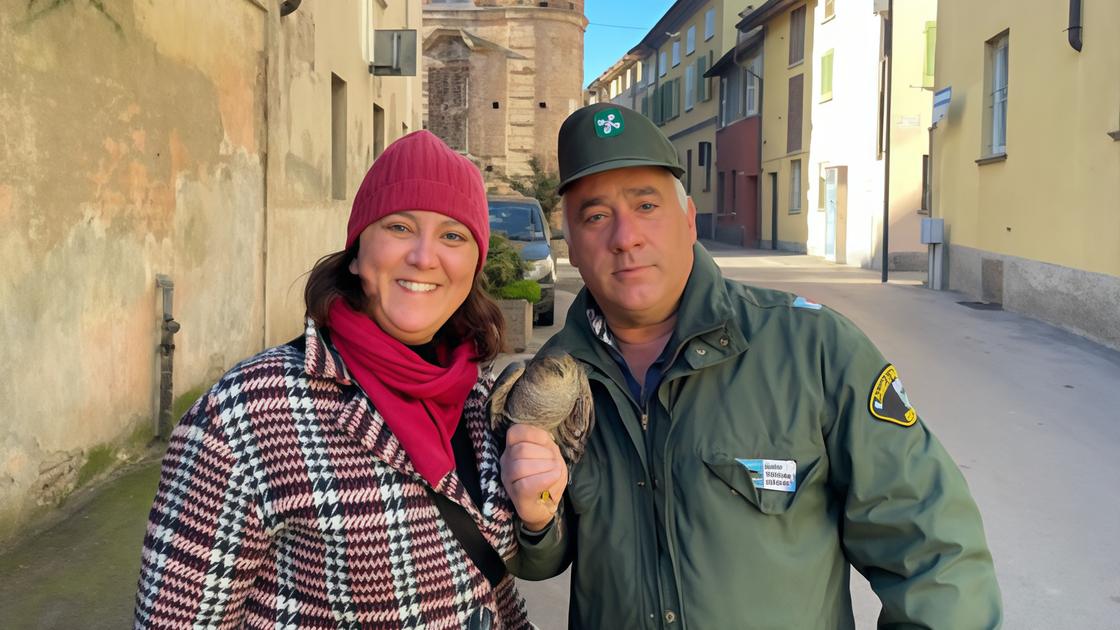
(1031,413)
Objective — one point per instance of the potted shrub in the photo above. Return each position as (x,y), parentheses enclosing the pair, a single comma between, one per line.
(503,274)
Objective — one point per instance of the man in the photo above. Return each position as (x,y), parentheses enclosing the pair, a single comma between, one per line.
(749,445)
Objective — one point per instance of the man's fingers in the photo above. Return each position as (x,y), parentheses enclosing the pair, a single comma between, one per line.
(530,450)
(533,485)
(522,468)
(524,433)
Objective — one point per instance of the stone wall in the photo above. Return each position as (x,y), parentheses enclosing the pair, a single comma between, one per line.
(525,76)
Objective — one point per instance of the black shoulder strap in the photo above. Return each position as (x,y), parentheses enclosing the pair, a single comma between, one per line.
(462,525)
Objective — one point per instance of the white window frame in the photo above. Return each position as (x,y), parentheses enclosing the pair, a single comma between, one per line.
(676,53)
(690,41)
(998,94)
(709,24)
(723,114)
(749,88)
(662,63)
(689,87)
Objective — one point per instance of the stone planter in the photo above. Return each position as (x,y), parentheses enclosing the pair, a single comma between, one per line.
(519,323)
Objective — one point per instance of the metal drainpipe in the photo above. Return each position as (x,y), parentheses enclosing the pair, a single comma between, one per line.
(1074,30)
(168,328)
(887,143)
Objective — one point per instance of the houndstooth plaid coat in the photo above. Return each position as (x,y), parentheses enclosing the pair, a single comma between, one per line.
(286,502)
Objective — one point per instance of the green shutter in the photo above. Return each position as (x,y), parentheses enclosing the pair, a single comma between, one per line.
(676,91)
(701,82)
(645,106)
(826,76)
(656,114)
(931,49)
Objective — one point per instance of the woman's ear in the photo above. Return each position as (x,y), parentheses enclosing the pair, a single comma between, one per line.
(353,267)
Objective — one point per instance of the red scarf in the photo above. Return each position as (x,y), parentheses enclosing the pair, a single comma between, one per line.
(420,402)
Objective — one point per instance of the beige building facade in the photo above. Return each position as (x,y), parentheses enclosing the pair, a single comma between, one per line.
(1026,164)
(501,76)
(220,148)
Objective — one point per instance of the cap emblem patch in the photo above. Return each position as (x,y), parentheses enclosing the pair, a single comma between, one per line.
(609,123)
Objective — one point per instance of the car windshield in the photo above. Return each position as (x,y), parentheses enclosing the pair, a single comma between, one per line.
(518,222)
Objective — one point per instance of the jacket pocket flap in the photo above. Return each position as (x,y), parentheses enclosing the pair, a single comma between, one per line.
(739,479)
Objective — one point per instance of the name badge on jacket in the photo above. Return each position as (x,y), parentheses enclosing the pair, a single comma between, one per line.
(772,474)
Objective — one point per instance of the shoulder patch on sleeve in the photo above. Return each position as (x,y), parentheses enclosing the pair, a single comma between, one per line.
(800,302)
(888,401)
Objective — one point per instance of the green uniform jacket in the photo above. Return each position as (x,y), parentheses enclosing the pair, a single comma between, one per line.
(666,528)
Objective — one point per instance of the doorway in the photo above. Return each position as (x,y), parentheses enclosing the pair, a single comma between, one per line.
(774,211)
(836,213)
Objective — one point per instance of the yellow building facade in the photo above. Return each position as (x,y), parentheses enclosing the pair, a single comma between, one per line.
(220,148)
(787,90)
(1026,164)
(672,90)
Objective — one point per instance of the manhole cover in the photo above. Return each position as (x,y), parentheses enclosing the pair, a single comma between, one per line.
(982,306)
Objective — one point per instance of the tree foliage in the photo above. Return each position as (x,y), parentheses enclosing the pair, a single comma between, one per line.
(541,185)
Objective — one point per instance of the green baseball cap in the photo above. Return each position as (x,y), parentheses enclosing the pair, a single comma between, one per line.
(605,136)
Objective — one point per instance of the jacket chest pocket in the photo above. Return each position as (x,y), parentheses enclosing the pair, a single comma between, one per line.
(771,486)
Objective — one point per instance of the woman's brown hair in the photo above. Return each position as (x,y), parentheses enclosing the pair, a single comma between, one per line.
(477,318)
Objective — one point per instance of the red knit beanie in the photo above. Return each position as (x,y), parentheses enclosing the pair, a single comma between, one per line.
(420,172)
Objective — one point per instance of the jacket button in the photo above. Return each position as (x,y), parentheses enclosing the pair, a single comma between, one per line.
(670,616)
(723,341)
(701,351)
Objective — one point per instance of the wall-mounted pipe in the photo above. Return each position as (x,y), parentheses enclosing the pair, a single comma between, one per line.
(168,328)
(1074,30)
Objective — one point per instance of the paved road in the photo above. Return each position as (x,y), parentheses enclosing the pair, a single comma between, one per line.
(1031,413)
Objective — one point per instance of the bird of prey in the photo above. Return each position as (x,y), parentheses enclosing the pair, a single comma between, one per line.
(551,393)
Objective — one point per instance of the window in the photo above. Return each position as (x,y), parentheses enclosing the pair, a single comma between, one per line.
(931,48)
(690,41)
(724,115)
(662,65)
(797,35)
(709,24)
(750,84)
(795,186)
(378,130)
(676,53)
(794,113)
(829,9)
(338,137)
(826,76)
(997,95)
(706,162)
(689,87)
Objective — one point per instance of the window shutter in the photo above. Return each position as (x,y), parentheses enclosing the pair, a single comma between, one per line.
(826,76)
(701,82)
(657,98)
(645,106)
(931,49)
(676,97)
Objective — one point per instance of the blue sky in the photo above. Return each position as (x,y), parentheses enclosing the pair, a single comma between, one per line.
(604,43)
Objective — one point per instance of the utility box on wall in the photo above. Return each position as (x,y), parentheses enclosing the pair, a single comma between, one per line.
(394,53)
(933,231)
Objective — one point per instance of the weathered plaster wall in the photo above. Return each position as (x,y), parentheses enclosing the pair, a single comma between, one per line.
(140,138)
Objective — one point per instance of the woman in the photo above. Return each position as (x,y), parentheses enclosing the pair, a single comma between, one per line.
(314,484)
